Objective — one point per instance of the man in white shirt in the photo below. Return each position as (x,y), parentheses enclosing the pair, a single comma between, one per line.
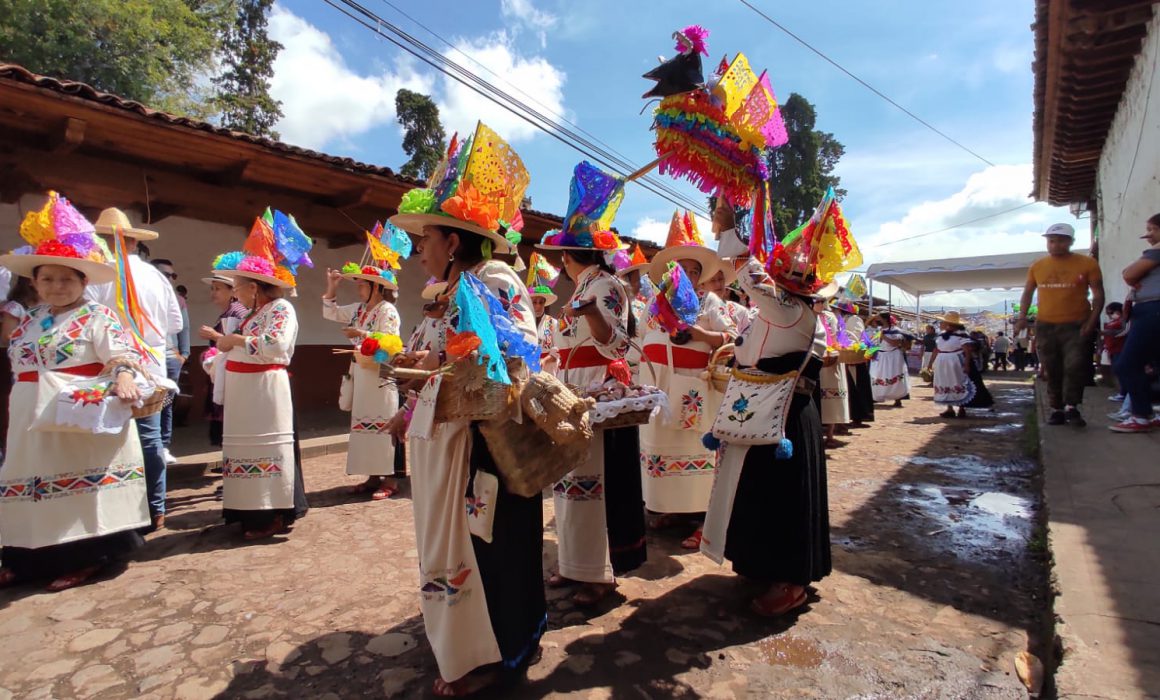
(158,302)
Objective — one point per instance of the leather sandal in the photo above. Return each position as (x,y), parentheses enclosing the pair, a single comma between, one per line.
(275,528)
(593,593)
(782,604)
(384,492)
(74,579)
(693,541)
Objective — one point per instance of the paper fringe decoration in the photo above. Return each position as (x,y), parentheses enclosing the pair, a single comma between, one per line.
(540,270)
(509,337)
(474,317)
(675,305)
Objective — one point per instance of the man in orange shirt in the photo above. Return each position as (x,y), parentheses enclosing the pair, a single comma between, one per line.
(1066,320)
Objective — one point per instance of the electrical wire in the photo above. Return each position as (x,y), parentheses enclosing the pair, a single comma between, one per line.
(860,81)
(420,50)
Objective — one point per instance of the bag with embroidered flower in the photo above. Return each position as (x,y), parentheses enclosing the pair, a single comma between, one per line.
(755,407)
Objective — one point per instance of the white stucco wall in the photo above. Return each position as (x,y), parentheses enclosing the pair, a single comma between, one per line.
(192,245)
(1129,169)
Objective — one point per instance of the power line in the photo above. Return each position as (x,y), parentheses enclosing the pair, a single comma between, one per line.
(435,59)
(959,225)
(863,83)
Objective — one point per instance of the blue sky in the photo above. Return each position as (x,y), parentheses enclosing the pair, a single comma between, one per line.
(965,67)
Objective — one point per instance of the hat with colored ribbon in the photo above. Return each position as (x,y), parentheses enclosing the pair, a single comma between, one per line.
(58,234)
(478,187)
(806,261)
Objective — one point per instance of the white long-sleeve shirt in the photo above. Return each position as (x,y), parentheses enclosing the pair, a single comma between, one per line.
(157,300)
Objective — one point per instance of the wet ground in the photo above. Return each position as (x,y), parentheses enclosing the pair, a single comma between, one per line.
(939,580)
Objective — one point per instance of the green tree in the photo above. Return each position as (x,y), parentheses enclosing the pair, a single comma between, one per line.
(243,99)
(152,51)
(802,169)
(423,136)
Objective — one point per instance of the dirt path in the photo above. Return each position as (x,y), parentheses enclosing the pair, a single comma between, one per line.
(938,582)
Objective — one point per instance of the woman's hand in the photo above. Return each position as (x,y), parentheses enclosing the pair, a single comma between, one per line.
(710,338)
(208,333)
(397,426)
(408,360)
(333,277)
(125,388)
(231,341)
(354,333)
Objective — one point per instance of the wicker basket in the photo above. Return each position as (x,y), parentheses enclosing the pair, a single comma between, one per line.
(465,392)
(556,409)
(365,361)
(719,371)
(527,458)
(628,418)
(852,357)
(151,404)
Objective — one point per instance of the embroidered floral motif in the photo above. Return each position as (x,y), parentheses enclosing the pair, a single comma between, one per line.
(740,412)
(614,303)
(476,507)
(833,394)
(40,488)
(580,488)
(679,465)
(511,298)
(568,326)
(889,381)
(692,405)
(234,468)
(446,585)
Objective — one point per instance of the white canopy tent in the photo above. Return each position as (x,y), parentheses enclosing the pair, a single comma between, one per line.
(918,277)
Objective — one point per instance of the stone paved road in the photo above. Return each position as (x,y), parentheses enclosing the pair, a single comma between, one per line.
(938,582)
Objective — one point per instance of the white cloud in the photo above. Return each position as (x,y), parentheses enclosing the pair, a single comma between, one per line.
(323,99)
(522,14)
(542,82)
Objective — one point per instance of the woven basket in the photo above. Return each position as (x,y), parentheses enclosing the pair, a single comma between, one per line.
(852,357)
(465,392)
(556,409)
(719,371)
(152,404)
(365,361)
(628,418)
(527,458)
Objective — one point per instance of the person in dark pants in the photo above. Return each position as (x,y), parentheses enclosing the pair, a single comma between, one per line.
(1066,320)
(1142,347)
(176,353)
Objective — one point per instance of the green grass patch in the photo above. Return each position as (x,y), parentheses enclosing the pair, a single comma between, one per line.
(1030,437)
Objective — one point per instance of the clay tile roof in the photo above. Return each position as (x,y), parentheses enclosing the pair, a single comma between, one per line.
(1085,51)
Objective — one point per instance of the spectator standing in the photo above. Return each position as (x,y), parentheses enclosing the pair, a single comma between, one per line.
(1066,320)
(1113,344)
(929,343)
(1019,350)
(1142,346)
(176,353)
(1001,347)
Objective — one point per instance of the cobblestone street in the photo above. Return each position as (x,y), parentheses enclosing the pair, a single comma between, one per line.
(939,579)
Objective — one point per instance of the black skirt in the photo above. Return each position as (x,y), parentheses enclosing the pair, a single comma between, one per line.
(511,566)
(624,499)
(779,530)
(983,398)
(861,396)
(60,559)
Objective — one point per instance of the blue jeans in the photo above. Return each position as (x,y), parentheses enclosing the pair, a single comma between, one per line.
(173,371)
(1141,348)
(149,432)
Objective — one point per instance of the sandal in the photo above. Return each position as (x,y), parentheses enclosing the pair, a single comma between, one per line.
(7,578)
(558,581)
(384,493)
(74,579)
(693,541)
(593,593)
(470,684)
(949,413)
(367,486)
(832,443)
(785,602)
(275,528)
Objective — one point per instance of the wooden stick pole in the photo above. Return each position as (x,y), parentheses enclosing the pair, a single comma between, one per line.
(646,169)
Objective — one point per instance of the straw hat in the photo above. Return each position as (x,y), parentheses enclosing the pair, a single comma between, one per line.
(545,293)
(112,219)
(478,188)
(684,243)
(594,197)
(625,264)
(808,258)
(373,274)
(433,290)
(58,234)
(218,278)
(266,257)
(953,318)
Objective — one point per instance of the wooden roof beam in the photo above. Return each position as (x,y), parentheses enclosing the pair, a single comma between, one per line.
(234,175)
(353,197)
(68,136)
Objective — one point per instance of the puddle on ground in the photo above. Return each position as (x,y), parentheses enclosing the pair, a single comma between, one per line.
(791,651)
(999,429)
(975,522)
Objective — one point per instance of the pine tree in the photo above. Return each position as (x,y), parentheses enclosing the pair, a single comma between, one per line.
(423,139)
(801,169)
(243,99)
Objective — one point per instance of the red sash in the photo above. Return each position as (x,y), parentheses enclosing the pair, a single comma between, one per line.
(250,368)
(583,356)
(683,358)
(90,370)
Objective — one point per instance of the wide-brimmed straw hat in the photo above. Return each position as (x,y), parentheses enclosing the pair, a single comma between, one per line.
(626,264)
(684,243)
(112,219)
(478,187)
(268,257)
(373,274)
(216,277)
(433,290)
(952,317)
(545,293)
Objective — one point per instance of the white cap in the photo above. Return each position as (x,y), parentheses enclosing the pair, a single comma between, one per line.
(1061,230)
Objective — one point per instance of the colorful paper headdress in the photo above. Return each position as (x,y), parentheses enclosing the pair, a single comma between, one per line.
(478,187)
(625,264)
(682,72)
(809,258)
(272,252)
(717,135)
(685,243)
(58,234)
(386,245)
(594,196)
(541,272)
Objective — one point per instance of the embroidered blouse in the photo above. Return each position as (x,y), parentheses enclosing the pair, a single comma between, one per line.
(86,335)
(576,333)
(270,333)
(381,318)
(781,324)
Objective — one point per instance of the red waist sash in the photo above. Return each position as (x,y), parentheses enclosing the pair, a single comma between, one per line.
(90,370)
(583,356)
(683,358)
(250,368)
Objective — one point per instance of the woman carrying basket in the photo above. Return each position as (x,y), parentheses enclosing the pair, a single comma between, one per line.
(600,525)
(480,545)
(262,485)
(70,502)
(373,400)
(677,469)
